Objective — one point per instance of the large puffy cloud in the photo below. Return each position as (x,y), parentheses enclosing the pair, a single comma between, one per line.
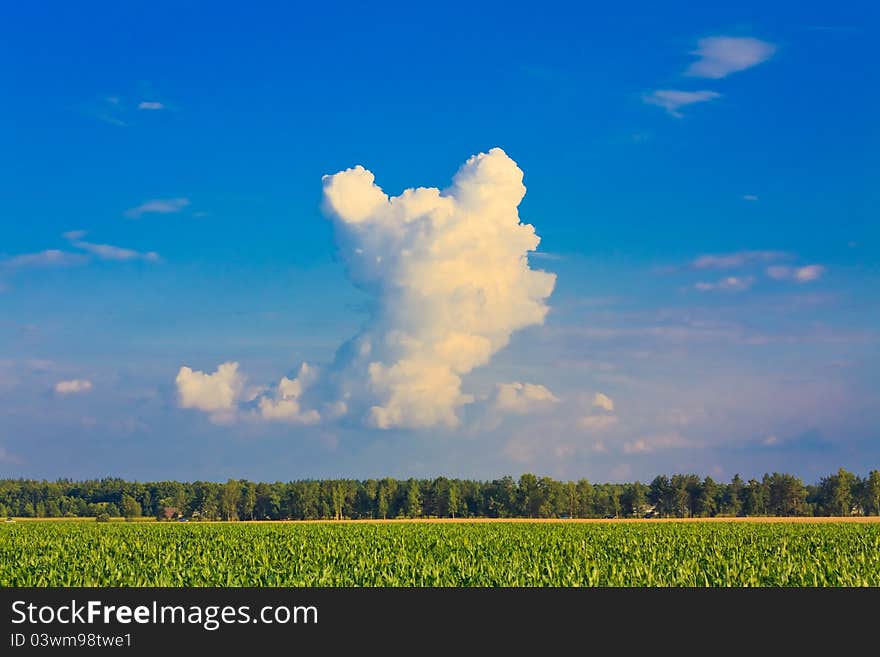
(449,273)
(217,393)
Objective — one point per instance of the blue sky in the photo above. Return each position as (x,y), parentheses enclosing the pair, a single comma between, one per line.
(704,182)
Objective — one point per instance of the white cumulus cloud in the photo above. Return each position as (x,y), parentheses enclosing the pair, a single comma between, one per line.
(73,386)
(449,273)
(719,56)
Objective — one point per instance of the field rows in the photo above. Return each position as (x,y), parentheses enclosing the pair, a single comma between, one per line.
(440,554)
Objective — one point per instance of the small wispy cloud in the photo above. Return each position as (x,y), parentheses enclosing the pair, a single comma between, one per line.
(545,255)
(8,457)
(750,197)
(121,110)
(108,109)
(728,284)
(57,258)
(107,117)
(157,206)
(108,251)
(649,444)
(597,423)
(672,100)
(47,258)
(603,401)
(798,274)
(73,386)
(833,28)
(719,56)
(522,398)
(736,259)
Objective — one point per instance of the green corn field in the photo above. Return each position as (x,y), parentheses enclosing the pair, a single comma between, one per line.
(451,554)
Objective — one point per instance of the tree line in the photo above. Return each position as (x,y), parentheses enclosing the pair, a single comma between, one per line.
(679,496)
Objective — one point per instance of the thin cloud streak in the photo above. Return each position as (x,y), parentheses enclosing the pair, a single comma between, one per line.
(110,252)
(804,274)
(43,259)
(107,251)
(157,206)
(736,259)
(727,284)
(672,100)
(73,386)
